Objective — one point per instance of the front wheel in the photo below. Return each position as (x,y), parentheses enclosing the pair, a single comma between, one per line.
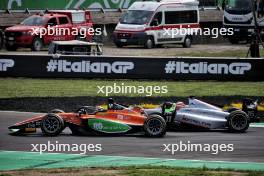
(238,121)
(52,125)
(149,43)
(155,126)
(37,44)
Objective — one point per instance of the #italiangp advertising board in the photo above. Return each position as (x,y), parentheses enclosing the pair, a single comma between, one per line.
(129,67)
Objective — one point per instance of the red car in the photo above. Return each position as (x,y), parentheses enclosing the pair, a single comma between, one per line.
(33,31)
(116,119)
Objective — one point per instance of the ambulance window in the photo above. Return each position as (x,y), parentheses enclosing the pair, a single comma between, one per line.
(136,17)
(157,19)
(181,17)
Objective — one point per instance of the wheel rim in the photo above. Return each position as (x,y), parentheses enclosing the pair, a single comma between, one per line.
(239,122)
(51,124)
(155,126)
(149,43)
(37,45)
(188,42)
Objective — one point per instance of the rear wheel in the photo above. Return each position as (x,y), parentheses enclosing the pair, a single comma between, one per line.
(238,121)
(187,42)
(52,125)
(155,126)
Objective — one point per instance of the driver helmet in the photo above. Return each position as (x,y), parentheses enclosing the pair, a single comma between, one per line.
(110,103)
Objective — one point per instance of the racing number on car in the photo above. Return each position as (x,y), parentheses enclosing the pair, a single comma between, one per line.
(251,114)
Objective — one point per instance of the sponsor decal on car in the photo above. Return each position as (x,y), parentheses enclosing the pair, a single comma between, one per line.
(108,126)
(196,122)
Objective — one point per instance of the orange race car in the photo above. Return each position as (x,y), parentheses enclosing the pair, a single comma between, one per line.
(117,119)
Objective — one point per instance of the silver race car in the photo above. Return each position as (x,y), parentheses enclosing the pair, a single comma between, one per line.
(201,114)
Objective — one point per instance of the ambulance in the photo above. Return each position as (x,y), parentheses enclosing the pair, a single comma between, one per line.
(154,23)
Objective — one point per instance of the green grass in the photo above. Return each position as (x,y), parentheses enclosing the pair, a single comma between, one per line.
(227,53)
(24,87)
(133,171)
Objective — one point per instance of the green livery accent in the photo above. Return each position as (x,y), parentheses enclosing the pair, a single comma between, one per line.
(108,126)
(171,109)
(64,4)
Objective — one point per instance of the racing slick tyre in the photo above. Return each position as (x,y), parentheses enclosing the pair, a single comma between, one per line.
(37,44)
(55,111)
(187,42)
(52,125)
(149,43)
(238,121)
(155,126)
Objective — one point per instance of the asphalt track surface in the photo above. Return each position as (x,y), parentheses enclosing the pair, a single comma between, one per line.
(248,147)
